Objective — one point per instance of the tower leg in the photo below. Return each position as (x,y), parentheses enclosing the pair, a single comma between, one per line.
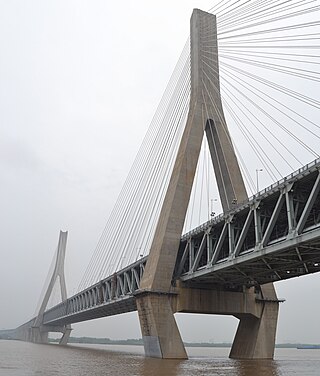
(255,337)
(65,336)
(160,333)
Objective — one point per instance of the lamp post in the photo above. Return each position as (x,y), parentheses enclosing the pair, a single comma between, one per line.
(212,213)
(257,176)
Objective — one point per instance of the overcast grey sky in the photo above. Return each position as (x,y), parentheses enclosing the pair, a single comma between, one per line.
(79,83)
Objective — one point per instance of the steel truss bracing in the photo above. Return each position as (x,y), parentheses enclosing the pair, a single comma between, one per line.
(273,236)
(111,296)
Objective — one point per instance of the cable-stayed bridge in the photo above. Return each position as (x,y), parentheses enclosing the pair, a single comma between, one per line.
(228,264)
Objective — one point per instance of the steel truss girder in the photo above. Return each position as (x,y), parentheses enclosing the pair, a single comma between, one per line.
(112,295)
(286,228)
(270,258)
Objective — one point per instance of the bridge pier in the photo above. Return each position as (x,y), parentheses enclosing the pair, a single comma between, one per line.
(161,336)
(65,335)
(255,337)
(256,310)
(36,335)
(40,334)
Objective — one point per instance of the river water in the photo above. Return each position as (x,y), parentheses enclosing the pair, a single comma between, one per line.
(28,359)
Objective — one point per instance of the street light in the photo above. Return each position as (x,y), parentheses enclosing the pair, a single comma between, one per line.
(257,176)
(212,214)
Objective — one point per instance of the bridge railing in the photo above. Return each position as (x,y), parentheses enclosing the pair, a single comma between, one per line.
(273,236)
(298,174)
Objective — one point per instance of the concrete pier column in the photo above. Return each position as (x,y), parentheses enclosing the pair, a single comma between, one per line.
(255,337)
(38,336)
(65,336)
(159,329)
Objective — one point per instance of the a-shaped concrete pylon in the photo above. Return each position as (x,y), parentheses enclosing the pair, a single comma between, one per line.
(158,299)
(39,331)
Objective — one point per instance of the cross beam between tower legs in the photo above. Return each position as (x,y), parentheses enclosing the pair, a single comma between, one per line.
(158,299)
